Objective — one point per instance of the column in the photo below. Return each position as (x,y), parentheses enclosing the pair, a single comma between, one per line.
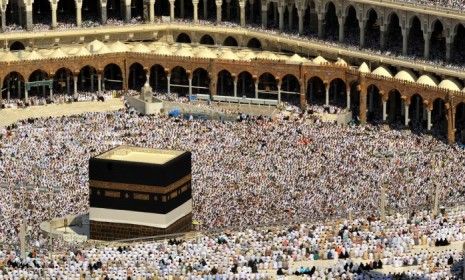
(218,11)
(78,13)
(384,110)
(242,11)
(405,32)
(3,8)
(450,116)
(448,47)
(406,111)
(321,18)
(279,91)
(51,92)
(68,89)
(300,13)
(205,13)
(281,17)
(327,94)
(303,97)
(427,37)
(428,118)
(290,9)
(195,3)
(256,89)
(54,15)
(190,88)
(382,36)
(363,100)
(171,10)
(341,21)
(99,82)
(348,98)
(235,86)
(75,90)
(361,24)
(103,12)
(152,10)
(181,3)
(264,16)
(26,94)
(168,78)
(29,20)
(127,11)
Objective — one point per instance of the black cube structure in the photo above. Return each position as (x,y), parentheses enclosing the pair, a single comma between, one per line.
(136,192)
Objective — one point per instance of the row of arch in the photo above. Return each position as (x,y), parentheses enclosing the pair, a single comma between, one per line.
(392,108)
(230,41)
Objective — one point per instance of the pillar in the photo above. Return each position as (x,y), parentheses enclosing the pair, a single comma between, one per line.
(384,110)
(279,91)
(99,82)
(363,100)
(303,97)
(235,86)
(51,92)
(382,36)
(29,19)
(75,80)
(171,10)
(450,114)
(281,17)
(348,98)
(264,16)
(152,10)
(448,47)
(341,20)
(406,111)
(290,9)
(327,94)
(321,18)
(168,78)
(256,89)
(205,13)
(103,12)
(218,11)
(182,10)
(428,118)
(242,11)
(361,24)
(3,9)
(427,37)
(78,13)
(190,87)
(405,32)
(195,3)
(301,13)
(26,94)
(54,15)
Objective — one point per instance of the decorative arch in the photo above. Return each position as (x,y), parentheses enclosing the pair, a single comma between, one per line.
(437,41)
(66,11)
(316,91)
(331,21)
(394,107)
(183,38)
(394,33)
(183,9)
(351,26)
(254,43)
(225,85)
(162,7)
(87,79)
(230,41)
(158,79)
(137,9)
(458,51)
(416,41)
(14,85)
(112,77)
(290,89)
(372,29)
(63,81)
(245,85)
(438,118)
(17,46)
(200,81)
(91,10)
(137,76)
(179,82)
(42,12)
(374,105)
(114,10)
(417,113)
(337,93)
(267,86)
(207,40)
(40,91)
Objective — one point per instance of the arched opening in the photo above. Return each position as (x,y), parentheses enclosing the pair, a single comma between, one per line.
(183,38)
(394,108)
(310,23)
(115,10)
(42,12)
(272,15)
(316,91)
(438,118)
(374,105)
(225,84)
(112,77)
(267,86)
(394,34)
(291,18)
(179,82)
(207,9)
(458,53)
(88,79)
(66,12)
(91,11)
(337,93)
(416,41)
(17,46)
(355,100)
(416,114)
(38,91)
(331,22)
(183,9)
(438,42)
(14,86)
(137,9)
(136,76)
(245,85)
(63,82)
(158,80)
(372,30)
(230,10)
(351,27)
(290,90)
(230,41)
(162,8)
(254,11)
(460,123)
(254,43)
(200,81)
(207,40)
(12,15)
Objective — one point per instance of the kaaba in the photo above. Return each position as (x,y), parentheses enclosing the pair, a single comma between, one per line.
(137,192)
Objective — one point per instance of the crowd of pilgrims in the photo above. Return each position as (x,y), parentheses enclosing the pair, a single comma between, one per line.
(261,171)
